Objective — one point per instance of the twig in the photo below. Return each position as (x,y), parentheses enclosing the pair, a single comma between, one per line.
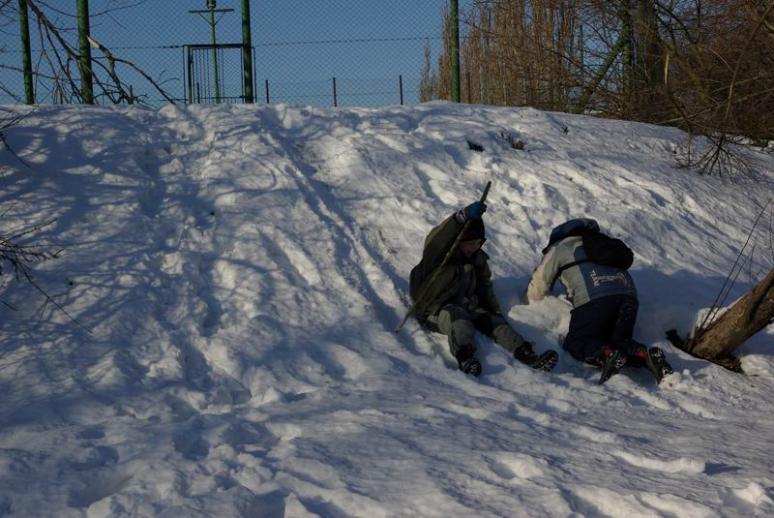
(117,91)
(742,52)
(10,123)
(715,308)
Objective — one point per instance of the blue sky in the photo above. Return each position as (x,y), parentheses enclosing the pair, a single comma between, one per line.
(300,45)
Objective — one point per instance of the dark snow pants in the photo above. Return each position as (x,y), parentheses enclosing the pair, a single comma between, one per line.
(603,322)
(460,325)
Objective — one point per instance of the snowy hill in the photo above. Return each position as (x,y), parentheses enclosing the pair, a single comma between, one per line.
(240,272)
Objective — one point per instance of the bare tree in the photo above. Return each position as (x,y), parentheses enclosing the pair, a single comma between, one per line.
(59,55)
(18,258)
(719,78)
(17,254)
(427,80)
(704,65)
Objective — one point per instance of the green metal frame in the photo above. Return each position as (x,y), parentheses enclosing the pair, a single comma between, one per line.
(24,29)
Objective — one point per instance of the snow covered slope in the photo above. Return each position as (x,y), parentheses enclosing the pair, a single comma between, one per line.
(237,273)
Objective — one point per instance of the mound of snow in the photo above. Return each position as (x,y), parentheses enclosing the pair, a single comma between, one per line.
(236,273)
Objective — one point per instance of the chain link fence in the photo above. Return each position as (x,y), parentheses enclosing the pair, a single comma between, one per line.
(336,52)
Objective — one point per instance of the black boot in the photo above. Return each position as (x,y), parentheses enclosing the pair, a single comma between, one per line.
(525,354)
(656,363)
(467,361)
(613,361)
(471,366)
(543,362)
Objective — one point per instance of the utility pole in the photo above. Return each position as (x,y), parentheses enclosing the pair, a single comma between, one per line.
(84,61)
(24,26)
(211,11)
(247,53)
(455,50)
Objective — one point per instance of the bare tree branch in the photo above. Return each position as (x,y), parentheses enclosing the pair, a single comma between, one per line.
(65,56)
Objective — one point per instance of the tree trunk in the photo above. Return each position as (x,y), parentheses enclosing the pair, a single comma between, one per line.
(627,55)
(590,88)
(649,60)
(750,314)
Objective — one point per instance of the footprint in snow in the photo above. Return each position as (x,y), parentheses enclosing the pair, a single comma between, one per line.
(512,465)
(677,465)
(96,488)
(97,457)
(94,432)
(191,445)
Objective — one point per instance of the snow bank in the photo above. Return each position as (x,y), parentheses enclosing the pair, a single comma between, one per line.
(237,272)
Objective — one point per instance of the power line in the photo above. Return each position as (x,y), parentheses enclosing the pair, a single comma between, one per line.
(351,40)
(271,43)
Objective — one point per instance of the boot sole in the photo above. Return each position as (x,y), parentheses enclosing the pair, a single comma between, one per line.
(612,366)
(546,361)
(656,363)
(473,368)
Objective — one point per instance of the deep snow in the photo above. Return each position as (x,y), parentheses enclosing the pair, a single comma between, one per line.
(240,271)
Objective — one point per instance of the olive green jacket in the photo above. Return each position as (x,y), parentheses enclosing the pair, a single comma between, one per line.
(467,282)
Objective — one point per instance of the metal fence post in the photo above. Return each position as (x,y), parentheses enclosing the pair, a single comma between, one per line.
(84,61)
(187,76)
(268,101)
(247,42)
(29,93)
(455,50)
(335,100)
(212,21)
(400,86)
(211,4)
